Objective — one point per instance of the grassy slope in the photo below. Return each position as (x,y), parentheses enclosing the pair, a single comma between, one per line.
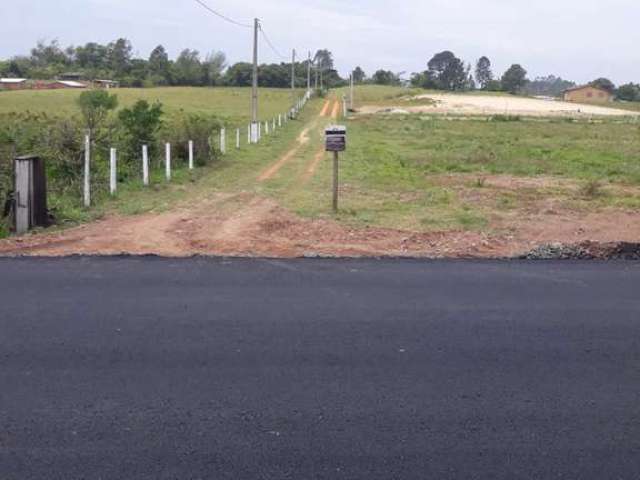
(230,103)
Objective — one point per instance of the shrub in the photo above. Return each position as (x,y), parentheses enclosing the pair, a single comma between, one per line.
(202,129)
(139,126)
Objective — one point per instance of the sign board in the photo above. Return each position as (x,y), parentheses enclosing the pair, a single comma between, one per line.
(336,138)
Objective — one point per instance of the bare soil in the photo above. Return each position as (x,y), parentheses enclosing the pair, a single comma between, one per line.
(460,104)
(246,224)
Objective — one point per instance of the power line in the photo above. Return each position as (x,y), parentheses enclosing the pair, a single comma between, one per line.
(271,46)
(224,17)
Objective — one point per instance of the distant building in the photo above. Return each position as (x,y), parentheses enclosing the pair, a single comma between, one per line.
(106,84)
(13,83)
(67,84)
(588,94)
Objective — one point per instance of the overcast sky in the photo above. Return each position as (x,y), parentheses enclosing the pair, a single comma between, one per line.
(576,39)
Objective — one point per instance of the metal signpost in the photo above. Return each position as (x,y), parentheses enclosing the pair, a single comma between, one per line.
(336,142)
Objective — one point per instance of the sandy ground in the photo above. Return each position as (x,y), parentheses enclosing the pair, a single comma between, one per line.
(457,104)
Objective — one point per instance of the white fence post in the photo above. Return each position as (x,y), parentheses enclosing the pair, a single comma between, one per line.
(280,120)
(113,180)
(145,165)
(190,154)
(87,171)
(274,124)
(266,128)
(167,162)
(223,141)
(238,138)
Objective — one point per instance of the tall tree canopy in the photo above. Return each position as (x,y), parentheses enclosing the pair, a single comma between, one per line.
(445,72)
(514,79)
(484,75)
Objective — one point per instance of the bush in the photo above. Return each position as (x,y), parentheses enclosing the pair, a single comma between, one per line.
(138,126)
(202,129)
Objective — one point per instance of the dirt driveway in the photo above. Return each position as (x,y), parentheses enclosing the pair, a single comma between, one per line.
(460,104)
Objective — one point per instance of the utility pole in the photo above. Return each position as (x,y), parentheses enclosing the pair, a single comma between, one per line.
(254,92)
(309,73)
(351,92)
(293,79)
(315,61)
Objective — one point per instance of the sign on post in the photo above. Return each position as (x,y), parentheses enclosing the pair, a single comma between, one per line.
(336,138)
(336,142)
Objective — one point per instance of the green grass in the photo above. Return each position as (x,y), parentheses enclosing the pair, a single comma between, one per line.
(402,146)
(232,104)
(392,173)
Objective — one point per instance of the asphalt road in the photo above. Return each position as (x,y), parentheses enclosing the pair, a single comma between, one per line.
(254,369)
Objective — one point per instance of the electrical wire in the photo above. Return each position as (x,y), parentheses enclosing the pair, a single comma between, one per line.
(224,17)
(271,46)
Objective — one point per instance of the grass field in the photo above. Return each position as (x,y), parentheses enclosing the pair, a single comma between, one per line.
(231,104)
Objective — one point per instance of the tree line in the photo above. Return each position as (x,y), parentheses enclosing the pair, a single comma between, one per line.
(445,71)
(116,61)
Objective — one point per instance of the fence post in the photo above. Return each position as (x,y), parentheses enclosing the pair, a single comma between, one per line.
(87,171)
(223,141)
(167,162)
(113,180)
(259,130)
(249,134)
(280,120)
(145,165)
(238,138)
(266,128)
(190,154)
(274,124)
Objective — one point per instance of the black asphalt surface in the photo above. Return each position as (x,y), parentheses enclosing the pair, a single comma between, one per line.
(142,368)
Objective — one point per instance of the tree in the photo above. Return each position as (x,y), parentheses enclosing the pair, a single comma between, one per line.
(92,55)
(629,92)
(141,123)
(550,85)
(324,60)
(484,75)
(95,105)
(119,55)
(239,75)
(358,75)
(214,66)
(385,77)
(445,72)
(45,55)
(188,69)
(604,83)
(160,66)
(514,79)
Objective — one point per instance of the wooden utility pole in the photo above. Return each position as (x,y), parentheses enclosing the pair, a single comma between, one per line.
(254,92)
(335,182)
(87,171)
